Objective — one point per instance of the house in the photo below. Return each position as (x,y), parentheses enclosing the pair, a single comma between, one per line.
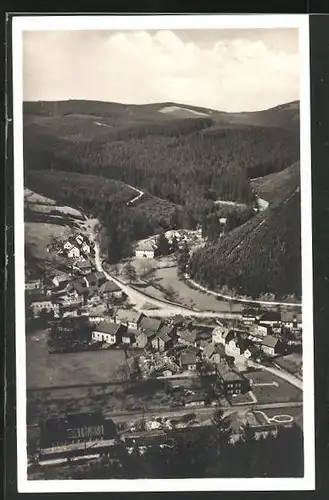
(209,351)
(249,316)
(69,244)
(129,337)
(79,239)
(145,251)
(77,288)
(194,400)
(233,346)
(251,351)
(75,428)
(141,339)
(32,285)
(168,330)
(129,317)
(217,334)
(42,303)
(110,290)
(259,330)
(187,337)
(270,345)
(291,319)
(83,267)
(66,301)
(73,253)
(270,318)
(188,359)
(85,248)
(162,341)
(111,333)
(150,324)
(231,382)
(177,321)
(95,279)
(60,280)
(227,336)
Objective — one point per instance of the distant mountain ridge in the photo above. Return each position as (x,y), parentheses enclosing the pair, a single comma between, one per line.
(283,115)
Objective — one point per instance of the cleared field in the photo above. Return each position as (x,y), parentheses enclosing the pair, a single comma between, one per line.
(168,279)
(45,208)
(292,362)
(271,389)
(33,197)
(52,370)
(38,235)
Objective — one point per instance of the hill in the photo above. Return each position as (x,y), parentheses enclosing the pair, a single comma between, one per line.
(283,116)
(261,256)
(182,157)
(279,185)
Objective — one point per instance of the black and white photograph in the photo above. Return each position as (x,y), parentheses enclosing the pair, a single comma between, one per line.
(163,253)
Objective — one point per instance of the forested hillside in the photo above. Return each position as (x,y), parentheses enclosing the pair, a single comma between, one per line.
(279,185)
(86,153)
(261,256)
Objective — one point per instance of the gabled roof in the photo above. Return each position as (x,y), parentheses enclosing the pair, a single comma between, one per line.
(150,324)
(187,335)
(128,315)
(61,277)
(95,278)
(270,341)
(165,330)
(209,350)
(273,316)
(85,264)
(229,335)
(163,335)
(109,287)
(79,286)
(105,327)
(188,357)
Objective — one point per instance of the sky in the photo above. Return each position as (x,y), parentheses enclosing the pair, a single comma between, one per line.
(224,69)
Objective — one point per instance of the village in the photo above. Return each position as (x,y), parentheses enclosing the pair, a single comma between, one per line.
(204,363)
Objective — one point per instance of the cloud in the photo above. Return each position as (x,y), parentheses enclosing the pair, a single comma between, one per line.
(140,67)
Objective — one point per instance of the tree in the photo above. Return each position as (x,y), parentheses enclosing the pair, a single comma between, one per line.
(183,258)
(130,272)
(162,245)
(174,245)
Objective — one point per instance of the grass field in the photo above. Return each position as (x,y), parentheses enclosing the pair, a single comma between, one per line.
(274,390)
(38,235)
(44,369)
(292,362)
(168,278)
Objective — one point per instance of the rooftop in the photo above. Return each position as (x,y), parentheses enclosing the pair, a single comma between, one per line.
(85,264)
(110,328)
(128,315)
(273,316)
(150,324)
(270,341)
(110,286)
(188,357)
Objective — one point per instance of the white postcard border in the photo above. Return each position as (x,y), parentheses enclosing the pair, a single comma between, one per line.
(174,22)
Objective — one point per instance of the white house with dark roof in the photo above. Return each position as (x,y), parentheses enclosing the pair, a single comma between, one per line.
(129,317)
(188,359)
(145,250)
(111,333)
(41,303)
(269,345)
